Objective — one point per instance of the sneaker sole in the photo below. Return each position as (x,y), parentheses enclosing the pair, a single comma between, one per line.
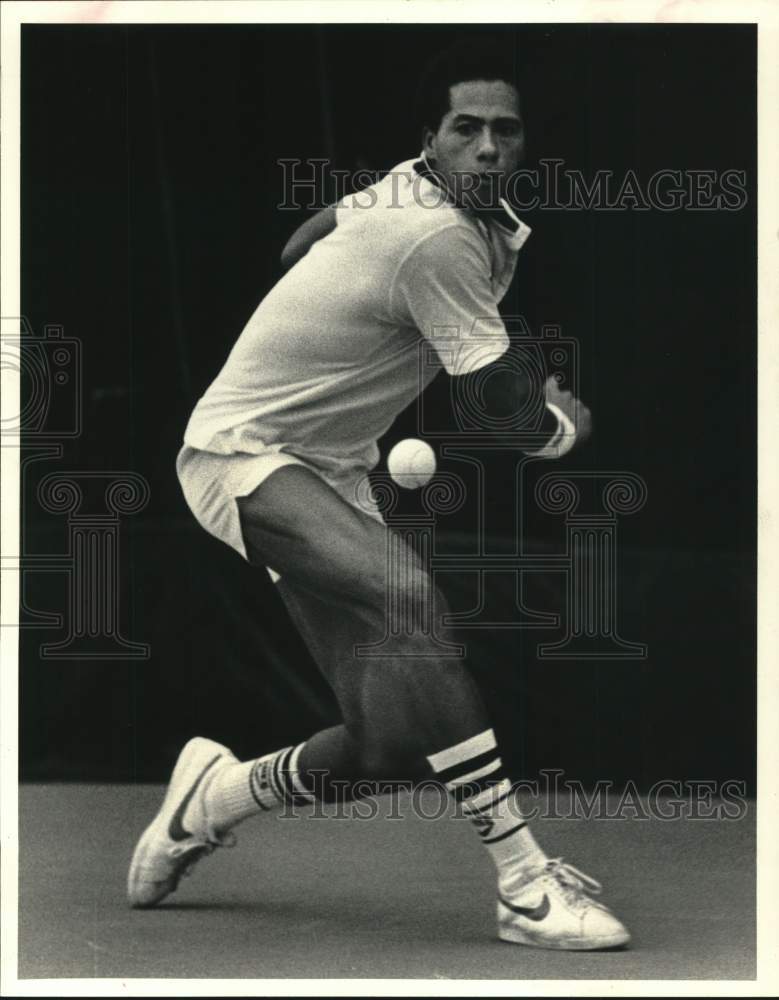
(515,935)
(194,759)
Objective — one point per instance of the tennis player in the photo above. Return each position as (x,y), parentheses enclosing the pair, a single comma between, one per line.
(272,462)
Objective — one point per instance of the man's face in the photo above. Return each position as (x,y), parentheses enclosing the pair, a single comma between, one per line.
(480,141)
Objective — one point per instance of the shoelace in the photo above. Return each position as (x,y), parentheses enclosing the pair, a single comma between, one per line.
(573,882)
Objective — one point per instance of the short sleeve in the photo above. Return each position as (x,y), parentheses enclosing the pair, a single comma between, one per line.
(443,288)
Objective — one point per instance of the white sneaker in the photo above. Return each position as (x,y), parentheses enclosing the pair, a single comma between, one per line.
(166,851)
(553,910)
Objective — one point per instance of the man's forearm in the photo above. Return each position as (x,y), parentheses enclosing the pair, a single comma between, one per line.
(553,415)
(507,393)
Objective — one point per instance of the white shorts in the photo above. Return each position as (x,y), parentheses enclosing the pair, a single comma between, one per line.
(212,483)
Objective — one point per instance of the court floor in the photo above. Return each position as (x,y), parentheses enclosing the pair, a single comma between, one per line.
(374,898)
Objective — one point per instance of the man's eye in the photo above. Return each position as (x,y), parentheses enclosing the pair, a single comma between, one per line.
(465,129)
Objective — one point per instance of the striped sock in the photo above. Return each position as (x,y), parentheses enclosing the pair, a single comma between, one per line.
(242,790)
(474,775)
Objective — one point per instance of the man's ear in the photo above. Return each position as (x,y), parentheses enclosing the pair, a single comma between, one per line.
(428,143)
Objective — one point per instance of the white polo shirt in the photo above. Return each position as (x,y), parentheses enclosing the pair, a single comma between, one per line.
(331,356)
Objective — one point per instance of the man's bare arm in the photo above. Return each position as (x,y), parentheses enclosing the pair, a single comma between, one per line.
(304,237)
(444,289)
(505,393)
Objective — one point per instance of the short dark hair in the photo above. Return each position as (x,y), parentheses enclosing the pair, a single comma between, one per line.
(487,59)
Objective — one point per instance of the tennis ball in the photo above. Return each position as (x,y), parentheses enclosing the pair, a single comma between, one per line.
(411,463)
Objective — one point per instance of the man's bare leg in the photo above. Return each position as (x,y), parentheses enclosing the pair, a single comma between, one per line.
(407,714)
(332,558)
(404,713)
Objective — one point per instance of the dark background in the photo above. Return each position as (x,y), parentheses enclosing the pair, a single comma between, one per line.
(150,232)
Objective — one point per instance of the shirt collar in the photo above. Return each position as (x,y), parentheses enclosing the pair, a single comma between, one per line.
(513,230)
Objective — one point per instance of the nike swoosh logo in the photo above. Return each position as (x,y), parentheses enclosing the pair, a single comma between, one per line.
(531,912)
(176,829)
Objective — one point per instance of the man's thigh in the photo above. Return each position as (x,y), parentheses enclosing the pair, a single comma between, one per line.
(297,524)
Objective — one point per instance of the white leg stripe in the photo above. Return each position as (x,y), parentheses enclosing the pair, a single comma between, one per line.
(298,785)
(474,747)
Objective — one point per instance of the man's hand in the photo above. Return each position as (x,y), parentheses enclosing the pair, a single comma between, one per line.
(573,408)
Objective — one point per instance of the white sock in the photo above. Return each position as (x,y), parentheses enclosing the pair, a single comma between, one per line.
(473,773)
(240,790)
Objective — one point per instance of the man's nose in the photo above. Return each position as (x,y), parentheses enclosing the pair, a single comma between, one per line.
(488,147)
